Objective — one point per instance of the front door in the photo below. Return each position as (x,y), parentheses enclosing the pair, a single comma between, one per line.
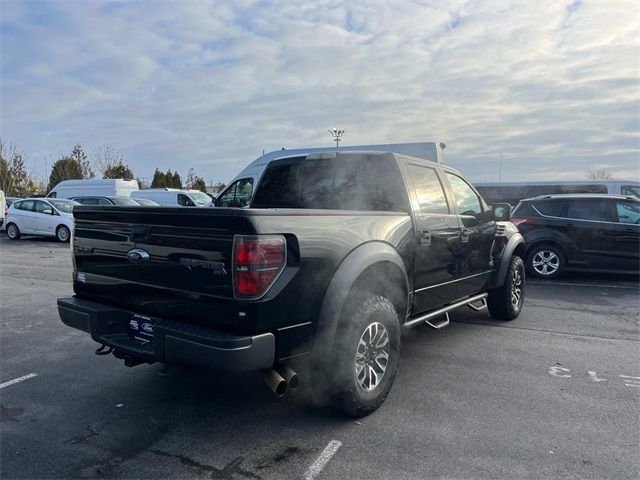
(437,240)
(627,235)
(477,235)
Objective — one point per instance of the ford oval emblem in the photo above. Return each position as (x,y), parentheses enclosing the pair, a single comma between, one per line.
(137,255)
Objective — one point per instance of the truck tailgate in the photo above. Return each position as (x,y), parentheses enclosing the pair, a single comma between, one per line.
(155,258)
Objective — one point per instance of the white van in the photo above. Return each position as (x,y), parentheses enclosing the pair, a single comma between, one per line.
(106,187)
(174,197)
(513,192)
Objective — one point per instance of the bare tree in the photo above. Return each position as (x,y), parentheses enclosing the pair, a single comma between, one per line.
(13,175)
(599,174)
(105,158)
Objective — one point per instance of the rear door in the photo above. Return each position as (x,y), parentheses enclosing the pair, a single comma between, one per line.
(25,216)
(437,240)
(591,229)
(477,235)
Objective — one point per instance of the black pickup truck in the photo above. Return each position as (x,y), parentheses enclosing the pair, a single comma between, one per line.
(336,254)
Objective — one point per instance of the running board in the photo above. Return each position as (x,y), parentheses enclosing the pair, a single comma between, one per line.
(483,305)
(426,318)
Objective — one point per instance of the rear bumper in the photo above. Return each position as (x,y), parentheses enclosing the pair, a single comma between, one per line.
(174,342)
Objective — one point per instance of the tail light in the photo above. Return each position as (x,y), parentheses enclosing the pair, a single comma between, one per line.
(258,260)
(520,221)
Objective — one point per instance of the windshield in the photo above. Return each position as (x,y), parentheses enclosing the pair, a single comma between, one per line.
(64,206)
(200,198)
(632,190)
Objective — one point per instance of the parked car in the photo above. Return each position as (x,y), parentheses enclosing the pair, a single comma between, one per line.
(174,197)
(105,201)
(595,232)
(145,202)
(336,254)
(41,216)
(3,208)
(109,187)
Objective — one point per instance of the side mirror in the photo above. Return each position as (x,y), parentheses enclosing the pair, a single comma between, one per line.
(47,211)
(501,212)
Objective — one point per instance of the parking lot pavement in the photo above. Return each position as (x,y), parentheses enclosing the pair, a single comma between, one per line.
(555,393)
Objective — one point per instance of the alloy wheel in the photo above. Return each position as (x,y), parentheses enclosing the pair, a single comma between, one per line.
(545,262)
(12,231)
(516,287)
(63,234)
(372,356)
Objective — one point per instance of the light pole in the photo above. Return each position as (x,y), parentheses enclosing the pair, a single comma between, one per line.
(336,134)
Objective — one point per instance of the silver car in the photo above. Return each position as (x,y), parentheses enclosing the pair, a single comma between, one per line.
(40,216)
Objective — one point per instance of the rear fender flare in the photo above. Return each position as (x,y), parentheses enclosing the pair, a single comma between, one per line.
(344,278)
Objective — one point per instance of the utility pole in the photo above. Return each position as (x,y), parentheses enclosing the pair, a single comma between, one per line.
(500,171)
(336,134)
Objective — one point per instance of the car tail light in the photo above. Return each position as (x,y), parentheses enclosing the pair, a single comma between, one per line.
(519,221)
(258,260)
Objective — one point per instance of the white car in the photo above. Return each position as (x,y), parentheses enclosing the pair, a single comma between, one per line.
(40,216)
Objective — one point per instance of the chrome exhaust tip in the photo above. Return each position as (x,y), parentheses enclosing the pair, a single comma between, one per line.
(275,382)
(290,376)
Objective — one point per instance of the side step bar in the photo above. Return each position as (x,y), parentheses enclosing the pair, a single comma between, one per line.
(427,317)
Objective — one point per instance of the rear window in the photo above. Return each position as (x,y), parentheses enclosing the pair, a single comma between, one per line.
(551,208)
(370,182)
(124,201)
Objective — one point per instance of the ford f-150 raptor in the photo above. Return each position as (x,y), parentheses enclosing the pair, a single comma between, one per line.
(323,256)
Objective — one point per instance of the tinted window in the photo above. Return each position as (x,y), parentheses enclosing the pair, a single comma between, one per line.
(551,208)
(238,194)
(628,212)
(185,201)
(428,189)
(52,195)
(523,210)
(103,202)
(597,210)
(65,206)
(88,201)
(370,182)
(466,199)
(123,201)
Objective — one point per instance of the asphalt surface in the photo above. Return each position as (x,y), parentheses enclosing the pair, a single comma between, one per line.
(550,395)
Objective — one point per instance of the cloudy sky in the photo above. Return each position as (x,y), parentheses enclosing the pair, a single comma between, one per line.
(552,85)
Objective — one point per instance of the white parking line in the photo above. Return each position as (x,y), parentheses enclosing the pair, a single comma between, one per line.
(17,380)
(316,467)
(581,285)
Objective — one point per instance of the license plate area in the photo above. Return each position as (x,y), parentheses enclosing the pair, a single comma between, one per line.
(142,328)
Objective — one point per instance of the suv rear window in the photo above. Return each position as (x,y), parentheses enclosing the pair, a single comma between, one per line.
(551,208)
(347,182)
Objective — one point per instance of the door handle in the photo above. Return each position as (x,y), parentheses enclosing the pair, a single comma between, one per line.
(425,237)
(464,234)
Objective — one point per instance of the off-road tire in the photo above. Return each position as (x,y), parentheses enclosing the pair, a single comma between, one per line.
(338,382)
(539,250)
(501,301)
(13,232)
(63,234)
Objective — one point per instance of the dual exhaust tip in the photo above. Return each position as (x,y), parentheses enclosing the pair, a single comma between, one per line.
(280,380)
